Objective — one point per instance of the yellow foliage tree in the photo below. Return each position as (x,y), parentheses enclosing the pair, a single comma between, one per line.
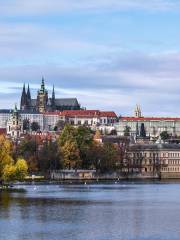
(5,154)
(21,169)
(10,171)
(71,156)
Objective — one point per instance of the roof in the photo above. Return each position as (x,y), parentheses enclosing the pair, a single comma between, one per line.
(149,119)
(87,113)
(82,113)
(156,147)
(108,114)
(56,113)
(5,110)
(66,102)
(115,139)
(60,102)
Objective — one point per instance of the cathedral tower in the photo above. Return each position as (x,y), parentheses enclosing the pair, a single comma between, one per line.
(42,98)
(137,111)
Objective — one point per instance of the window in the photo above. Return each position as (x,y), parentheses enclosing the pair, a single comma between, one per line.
(72,122)
(86,122)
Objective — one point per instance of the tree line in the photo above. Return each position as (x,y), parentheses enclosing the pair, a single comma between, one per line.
(74,148)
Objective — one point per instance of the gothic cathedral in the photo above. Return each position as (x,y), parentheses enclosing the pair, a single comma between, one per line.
(45,104)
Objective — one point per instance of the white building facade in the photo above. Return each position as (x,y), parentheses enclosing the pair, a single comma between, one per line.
(153,126)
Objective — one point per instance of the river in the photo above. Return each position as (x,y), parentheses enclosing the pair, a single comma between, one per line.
(126,210)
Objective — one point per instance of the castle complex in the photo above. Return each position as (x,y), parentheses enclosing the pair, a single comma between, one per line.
(42,103)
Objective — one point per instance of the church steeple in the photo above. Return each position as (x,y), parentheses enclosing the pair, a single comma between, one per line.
(23,98)
(28,93)
(42,98)
(42,85)
(53,103)
(137,111)
(28,98)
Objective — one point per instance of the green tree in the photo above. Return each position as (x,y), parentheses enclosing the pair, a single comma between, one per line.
(109,157)
(127,131)
(49,156)
(84,139)
(26,125)
(28,149)
(35,126)
(142,131)
(68,133)
(93,156)
(59,125)
(164,135)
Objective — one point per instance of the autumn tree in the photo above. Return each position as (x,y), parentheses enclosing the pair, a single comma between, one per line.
(27,149)
(16,171)
(71,155)
(68,147)
(8,169)
(5,154)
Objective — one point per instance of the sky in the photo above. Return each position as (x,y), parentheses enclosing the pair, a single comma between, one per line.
(110,54)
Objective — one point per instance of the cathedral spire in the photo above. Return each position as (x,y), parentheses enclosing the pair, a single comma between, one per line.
(53,104)
(28,96)
(28,93)
(43,85)
(53,93)
(23,98)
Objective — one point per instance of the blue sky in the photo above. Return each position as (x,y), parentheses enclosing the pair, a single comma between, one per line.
(110,54)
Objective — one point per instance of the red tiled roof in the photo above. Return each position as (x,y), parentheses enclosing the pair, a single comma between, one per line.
(149,119)
(83,113)
(53,113)
(108,114)
(70,113)
(87,113)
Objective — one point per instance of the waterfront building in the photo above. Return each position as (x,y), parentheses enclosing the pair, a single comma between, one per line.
(15,124)
(150,160)
(43,103)
(153,125)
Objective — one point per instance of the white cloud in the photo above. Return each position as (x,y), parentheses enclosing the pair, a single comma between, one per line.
(40,7)
(150,80)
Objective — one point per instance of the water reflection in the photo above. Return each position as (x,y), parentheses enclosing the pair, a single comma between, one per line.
(86,212)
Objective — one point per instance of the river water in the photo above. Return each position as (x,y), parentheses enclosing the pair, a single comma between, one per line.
(127,211)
